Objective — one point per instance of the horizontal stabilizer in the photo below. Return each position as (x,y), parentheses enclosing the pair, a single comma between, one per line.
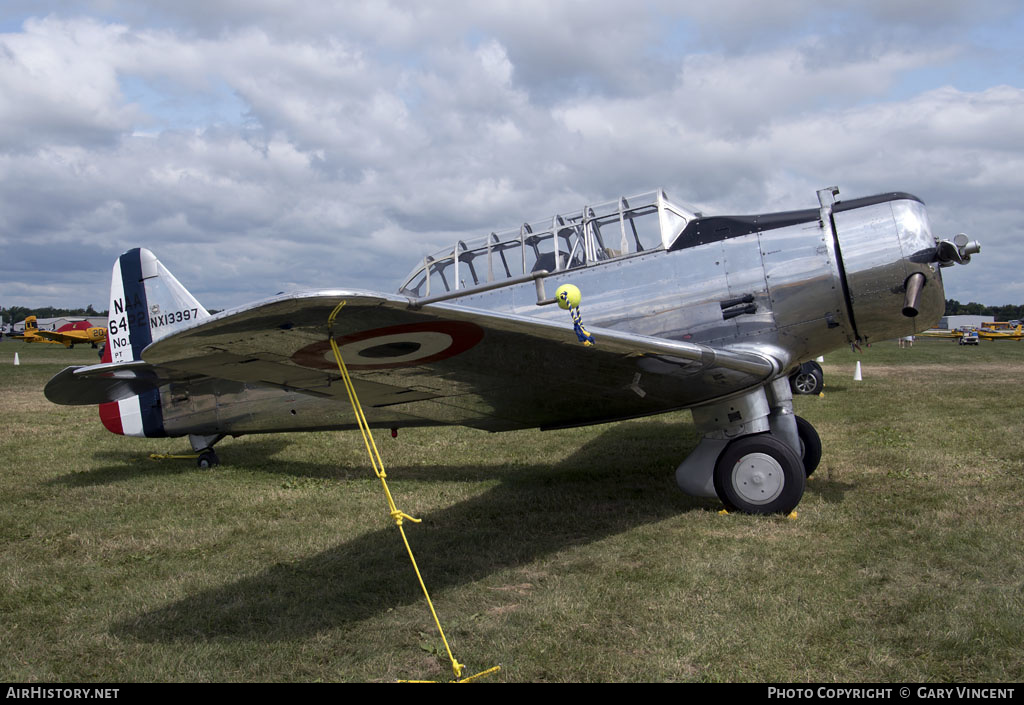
(97,384)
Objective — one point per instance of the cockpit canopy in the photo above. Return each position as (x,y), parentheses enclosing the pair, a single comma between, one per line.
(592,235)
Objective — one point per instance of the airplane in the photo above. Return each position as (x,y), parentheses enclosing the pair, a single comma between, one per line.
(954,334)
(74,333)
(999,325)
(685,311)
(32,334)
(989,333)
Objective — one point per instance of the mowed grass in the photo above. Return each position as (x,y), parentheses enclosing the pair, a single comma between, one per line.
(561,556)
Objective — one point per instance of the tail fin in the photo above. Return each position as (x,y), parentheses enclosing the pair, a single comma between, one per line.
(146,304)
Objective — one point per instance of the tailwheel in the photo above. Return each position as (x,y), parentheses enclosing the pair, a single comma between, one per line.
(208,459)
(759,474)
(810,445)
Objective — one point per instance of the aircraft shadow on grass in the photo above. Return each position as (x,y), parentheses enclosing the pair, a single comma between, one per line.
(128,468)
(536,510)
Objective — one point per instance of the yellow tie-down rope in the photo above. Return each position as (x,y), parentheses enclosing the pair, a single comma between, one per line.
(397,514)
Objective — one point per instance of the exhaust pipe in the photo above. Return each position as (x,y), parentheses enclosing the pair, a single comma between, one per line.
(914,284)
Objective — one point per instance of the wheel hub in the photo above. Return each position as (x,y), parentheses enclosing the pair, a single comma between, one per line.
(805,383)
(758,478)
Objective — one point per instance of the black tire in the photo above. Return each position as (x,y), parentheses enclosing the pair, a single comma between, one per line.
(759,475)
(208,459)
(810,445)
(809,379)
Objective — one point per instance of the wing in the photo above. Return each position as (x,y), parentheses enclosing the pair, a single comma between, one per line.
(41,336)
(57,337)
(442,363)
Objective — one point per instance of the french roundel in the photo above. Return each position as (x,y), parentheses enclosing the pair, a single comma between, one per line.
(405,345)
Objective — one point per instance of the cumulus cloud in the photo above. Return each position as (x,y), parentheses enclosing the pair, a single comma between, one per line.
(61,86)
(256,147)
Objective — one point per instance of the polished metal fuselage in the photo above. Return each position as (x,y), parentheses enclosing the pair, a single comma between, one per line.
(822,280)
(813,291)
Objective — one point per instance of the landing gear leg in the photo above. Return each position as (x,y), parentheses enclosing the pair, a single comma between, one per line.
(750,456)
(797,432)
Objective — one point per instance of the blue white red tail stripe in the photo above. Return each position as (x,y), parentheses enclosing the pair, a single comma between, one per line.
(141,291)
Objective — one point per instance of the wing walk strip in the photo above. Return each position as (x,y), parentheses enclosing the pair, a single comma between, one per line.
(397,514)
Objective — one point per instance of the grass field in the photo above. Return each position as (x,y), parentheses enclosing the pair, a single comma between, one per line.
(561,556)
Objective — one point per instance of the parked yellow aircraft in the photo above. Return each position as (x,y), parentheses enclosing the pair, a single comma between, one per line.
(941,333)
(31,334)
(68,335)
(986,333)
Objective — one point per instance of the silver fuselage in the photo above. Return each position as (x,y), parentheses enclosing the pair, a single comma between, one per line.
(816,279)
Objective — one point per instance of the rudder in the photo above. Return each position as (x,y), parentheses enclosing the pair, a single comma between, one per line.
(147,303)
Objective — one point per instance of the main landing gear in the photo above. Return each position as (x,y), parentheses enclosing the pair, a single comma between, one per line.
(756,454)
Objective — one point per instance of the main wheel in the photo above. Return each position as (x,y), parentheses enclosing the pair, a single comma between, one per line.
(810,445)
(809,379)
(759,474)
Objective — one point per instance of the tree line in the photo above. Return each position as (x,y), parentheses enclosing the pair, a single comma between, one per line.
(14,314)
(1000,313)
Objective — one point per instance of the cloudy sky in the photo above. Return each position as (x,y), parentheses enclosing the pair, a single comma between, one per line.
(258,146)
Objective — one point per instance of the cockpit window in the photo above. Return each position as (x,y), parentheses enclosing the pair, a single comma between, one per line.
(594,234)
